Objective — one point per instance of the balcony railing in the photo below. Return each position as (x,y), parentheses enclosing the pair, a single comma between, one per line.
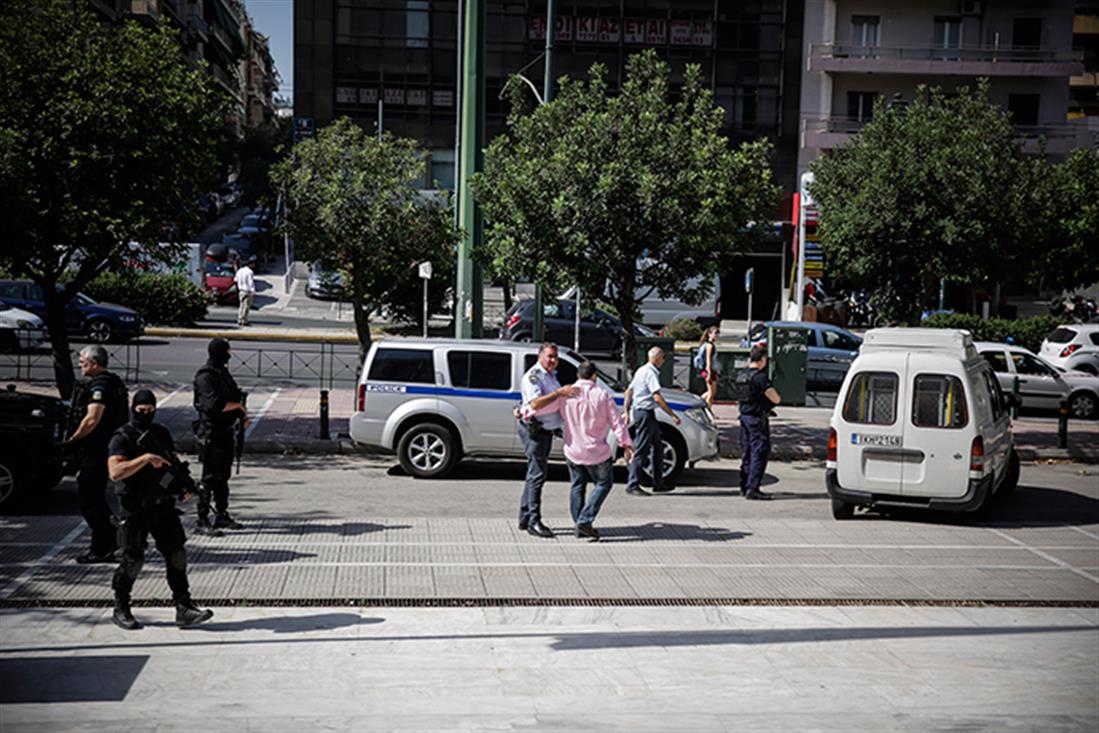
(849,126)
(985,54)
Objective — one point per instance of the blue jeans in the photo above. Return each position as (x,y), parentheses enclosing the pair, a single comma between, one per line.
(600,474)
(537,450)
(648,448)
(755,449)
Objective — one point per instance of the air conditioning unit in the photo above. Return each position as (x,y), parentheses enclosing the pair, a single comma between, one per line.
(970,7)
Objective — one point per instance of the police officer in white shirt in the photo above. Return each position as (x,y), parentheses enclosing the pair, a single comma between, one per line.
(541,420)
(246,290)
(640,403)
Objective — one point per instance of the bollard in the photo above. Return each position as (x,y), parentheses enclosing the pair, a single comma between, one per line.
(324,415)
(1015,391)
(1062,425)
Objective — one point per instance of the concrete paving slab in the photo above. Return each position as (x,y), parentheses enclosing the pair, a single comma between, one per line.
(548,669)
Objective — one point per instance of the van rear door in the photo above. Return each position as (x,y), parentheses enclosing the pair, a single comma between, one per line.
(868,432)
(938,432)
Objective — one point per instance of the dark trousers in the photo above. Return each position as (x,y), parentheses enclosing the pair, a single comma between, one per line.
(648,450)
(216,451)
(162,522)
(91,484)
(537,449)
(755,449)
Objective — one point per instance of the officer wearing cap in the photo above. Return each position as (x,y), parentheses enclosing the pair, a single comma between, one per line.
(140,456)
(218,400)
(541,421)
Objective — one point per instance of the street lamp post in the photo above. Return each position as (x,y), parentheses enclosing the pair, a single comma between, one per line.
(539,325)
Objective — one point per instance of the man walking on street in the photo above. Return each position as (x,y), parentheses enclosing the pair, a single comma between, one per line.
(755,427)
(541,420)
(641,400)
(588,417)
(141,455)
(246,290)
(101,403)
(218,401)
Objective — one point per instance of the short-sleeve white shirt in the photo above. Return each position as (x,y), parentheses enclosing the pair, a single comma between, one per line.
(645,384)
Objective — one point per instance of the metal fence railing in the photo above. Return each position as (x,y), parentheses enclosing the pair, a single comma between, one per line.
(322,362)
(37,365)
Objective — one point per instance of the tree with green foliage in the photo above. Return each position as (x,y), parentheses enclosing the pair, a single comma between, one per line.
(625,194)
(1068,257)
(353,206)
(937,188)
(105,137)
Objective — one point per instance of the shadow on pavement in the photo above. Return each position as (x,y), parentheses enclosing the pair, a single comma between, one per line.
(667,531)
(292,624)
(1028,506)
(69,679)
(597,640)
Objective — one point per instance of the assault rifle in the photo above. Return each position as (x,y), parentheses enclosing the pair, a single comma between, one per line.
(239,447)
(175,480)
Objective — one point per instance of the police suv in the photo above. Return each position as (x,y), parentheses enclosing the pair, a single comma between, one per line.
(435,401)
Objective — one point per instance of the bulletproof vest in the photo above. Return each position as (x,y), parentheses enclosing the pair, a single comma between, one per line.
(116,405)
(742,386)
(222,385)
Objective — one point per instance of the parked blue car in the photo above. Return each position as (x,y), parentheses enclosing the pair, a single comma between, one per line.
(831,350)
(99,322)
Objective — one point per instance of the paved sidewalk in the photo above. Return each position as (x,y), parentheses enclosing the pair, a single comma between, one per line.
(554,669)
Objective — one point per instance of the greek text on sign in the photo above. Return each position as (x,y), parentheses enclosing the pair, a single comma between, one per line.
(885,441)
(390,388)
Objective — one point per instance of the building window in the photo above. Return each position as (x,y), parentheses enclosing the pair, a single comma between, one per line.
(1026,33)
(1023,108)
(865,30)
(417,24)
(860,106)
(948,35)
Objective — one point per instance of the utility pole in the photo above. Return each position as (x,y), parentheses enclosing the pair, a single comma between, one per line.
(539,325)
(467,317)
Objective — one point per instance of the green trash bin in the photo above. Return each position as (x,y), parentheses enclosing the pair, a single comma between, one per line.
(667,372)
(729,362)
(788,355)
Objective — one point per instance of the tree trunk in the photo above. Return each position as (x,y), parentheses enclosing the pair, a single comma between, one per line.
(507,295)
(361,310)
(59,339)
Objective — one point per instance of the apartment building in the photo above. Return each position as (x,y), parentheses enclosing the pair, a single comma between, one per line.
(857,50)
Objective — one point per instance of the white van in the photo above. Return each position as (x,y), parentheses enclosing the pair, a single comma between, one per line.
(920,422)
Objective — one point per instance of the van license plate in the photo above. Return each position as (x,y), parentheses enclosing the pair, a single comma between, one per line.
(888,441)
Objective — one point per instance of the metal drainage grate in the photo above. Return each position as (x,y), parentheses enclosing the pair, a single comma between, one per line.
(562,602)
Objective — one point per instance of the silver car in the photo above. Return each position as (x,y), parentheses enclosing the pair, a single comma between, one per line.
(434,401)
(1041,384)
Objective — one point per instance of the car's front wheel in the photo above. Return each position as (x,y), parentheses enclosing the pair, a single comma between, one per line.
(1082,405)
(99,331)
(427,450)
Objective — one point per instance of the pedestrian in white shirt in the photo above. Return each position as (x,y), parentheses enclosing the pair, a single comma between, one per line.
(246,290)
(641,402)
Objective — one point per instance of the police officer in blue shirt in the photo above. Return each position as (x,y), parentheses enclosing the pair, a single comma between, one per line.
(641,400)
(541,421)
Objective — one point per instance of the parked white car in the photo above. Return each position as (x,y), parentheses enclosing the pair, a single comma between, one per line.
(20,330)
(920,422)
(1041,384)
(434,401)
(1074,346)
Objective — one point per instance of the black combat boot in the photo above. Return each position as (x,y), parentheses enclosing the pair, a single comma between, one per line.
(188,614)
(204,527)
(122,616)
(224,521)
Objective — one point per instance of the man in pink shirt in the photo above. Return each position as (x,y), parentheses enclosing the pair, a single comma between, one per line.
(589,416)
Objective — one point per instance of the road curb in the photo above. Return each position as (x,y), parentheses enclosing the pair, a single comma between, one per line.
(251,335)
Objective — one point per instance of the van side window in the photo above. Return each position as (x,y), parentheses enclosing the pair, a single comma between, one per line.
(938,401)
(872,399)
(403,365)
(479,369)
(566,371)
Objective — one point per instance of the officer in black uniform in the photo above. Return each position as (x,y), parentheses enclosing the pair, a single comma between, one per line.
(100,404)
(218,401)
(142,458)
